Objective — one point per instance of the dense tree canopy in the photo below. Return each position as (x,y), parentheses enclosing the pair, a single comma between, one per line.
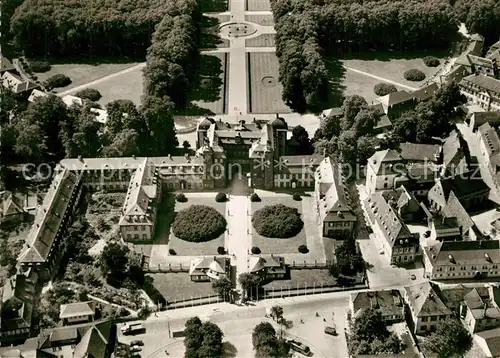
(277,221)
(198,223)
(202,339)
(450,339)
(266,344)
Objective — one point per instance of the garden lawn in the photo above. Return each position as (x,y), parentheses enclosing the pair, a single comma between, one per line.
(300,277)
(83,73)
(107,206)
(264,40)
(185,248)
(258,5)
(275,245)
(264,88)
(178,286)
(393,69)
(264,20)
(125,86)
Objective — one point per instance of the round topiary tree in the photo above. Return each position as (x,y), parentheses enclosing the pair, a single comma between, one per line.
(39,66)
(431,61)
(277,221)
(198,223)
(254,197)
(383,89)
(221,250)
(221,197)
(172,252)
(181,198)
(89,93)
(58,80)
(255,250)
(303,249)
(297,197)
(414,75)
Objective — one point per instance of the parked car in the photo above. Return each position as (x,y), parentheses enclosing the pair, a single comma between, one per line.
(137,342)
(299,347)
(331,330)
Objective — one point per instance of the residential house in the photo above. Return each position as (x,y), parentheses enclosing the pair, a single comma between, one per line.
(462,260)
(481,312)
(456,74)
(482,90)
(269,267)
(16,84)
(11,208)
(400,245)
(489,341)
(405,204)
(383,168)
(476,64)
(18,295)
(455,156)
(388,302)
(426,307)
(453,296)
(333,204)
(477,119)
(420,178)
(444,229)
(472,193)
(204,269)
(425,93)
(6,65)
(420,153)
(455,209)
(50,224)
(396,103)
(70,100)
(92,340)
(489,144)
(35,94)
(383,124)
(77,313)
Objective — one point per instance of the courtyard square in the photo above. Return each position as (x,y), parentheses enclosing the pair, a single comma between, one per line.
(185,248)
(275,245)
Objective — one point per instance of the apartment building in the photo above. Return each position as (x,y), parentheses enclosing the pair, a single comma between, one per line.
(426,307)
(489,144)
(400,245)
(482,90)
(462,260)
(333,204)
(481,312)
(383,168)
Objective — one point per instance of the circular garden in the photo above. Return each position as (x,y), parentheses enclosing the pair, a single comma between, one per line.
(198,223)
(277,221)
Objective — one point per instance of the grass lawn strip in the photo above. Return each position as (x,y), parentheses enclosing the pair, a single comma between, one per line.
(258,5)
(264,40)
(300,277)
(278,246)
(178,286)
(264,20)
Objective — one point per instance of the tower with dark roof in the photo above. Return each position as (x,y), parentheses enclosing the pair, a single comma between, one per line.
(280,129)
(201,131)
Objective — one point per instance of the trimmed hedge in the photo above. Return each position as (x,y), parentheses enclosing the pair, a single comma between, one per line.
(303,249)
(297,197)
(181,198)
(39,66)
(221,197)
(58,80)
(198,223)
(414,75)
(254,198)
(431,61)
(383,89)
(90,94)
(255,250)
(221,250)
(172,252)
(277,221)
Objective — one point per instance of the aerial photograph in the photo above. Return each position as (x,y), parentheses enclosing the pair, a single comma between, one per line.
(249,178)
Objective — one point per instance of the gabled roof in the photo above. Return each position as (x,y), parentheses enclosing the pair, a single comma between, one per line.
(77,309)
(394,98)
(36,93)
(419,152)
(6,65)
(486,83)
(490,139)
(473,300)
(10,204)
(480,252)
(388,302)
(215,263)
(257,263)
(480,118)
(70,100)
(454,209)
(382,161)
(492,340)
(424,93)
(425,301)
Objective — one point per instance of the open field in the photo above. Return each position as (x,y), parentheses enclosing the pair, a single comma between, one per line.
(264,40)
(264,88)
(308,277)
(392,69)
(264,20)
(185,248)
(211,93)
(83,73)
(258,5)
(274,245)
(178,286)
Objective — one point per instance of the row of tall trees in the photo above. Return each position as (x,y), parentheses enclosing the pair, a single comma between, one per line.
(173,56)
(87,27)
(47,130)
(307,30)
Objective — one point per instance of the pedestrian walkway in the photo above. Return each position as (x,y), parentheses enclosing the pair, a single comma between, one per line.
(238,239)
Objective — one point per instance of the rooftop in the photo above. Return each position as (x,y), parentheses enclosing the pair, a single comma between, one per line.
(77,309)
(424,300)
(388,302)
(487,83)
(458,253)
(419,152)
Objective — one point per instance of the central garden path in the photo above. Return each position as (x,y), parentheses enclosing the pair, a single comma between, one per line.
(238,236)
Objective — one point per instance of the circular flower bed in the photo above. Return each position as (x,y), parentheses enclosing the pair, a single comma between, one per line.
(255,250)
(414,75)
(383,89)
(221,197)
(277,221)
(303,249)
(198,223)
